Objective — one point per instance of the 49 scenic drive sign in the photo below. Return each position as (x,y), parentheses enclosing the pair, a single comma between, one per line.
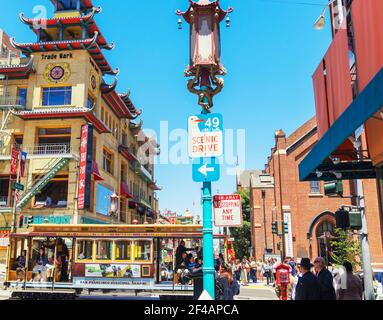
(205,135)
(227,210)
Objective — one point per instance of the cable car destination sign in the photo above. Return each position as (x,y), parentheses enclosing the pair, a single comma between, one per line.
(205,135)
(227,210)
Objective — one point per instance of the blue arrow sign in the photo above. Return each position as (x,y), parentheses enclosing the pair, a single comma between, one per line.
(206,170)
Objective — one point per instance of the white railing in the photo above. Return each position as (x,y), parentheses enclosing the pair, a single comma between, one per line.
(12,101)
(48,149)
(4,202)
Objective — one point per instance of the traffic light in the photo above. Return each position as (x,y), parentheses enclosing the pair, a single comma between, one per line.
(30,220)
(355,219)
(274,227)
(333,188)
(342,219)
(285,228)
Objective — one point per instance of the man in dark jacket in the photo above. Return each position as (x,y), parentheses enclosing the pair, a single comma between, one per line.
(308,285)
(325,278)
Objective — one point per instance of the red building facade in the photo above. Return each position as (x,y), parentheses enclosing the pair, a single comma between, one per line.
(277,195)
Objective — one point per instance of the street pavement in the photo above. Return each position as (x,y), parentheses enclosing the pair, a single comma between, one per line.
(258,291)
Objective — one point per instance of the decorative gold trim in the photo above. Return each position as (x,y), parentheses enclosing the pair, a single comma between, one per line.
(50,66)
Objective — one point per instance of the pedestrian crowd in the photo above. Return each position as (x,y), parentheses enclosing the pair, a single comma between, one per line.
(307,281)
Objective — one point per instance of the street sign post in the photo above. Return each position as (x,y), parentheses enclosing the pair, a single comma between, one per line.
(18,186)
(205,170)
(205,135)
(227,210)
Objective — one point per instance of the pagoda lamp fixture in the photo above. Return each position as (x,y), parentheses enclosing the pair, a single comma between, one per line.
(320,22)
(204,18)
(319,174)
(179,24)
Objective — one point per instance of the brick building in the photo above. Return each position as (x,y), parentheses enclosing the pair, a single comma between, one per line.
(277,194)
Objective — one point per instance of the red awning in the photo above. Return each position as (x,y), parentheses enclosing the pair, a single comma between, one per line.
(96,172)
(338,78)
(125,191)
(367,17)
(319,83)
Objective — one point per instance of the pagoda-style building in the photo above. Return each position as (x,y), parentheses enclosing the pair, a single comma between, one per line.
(80,134)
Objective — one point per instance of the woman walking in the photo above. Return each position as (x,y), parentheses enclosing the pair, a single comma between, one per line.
(245,270)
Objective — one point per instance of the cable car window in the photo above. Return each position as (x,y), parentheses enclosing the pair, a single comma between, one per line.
(123,250)
(142,250)
(84,249)
(103,250)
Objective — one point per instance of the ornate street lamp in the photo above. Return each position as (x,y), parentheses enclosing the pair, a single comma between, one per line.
(113,211)
(204,18)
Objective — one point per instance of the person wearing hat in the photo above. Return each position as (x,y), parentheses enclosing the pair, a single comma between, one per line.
(326,280)
(308,286)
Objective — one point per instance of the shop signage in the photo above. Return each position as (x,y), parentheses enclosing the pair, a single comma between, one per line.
(14,160)
(49,220)
(289,249)
(205,136)
(227,210)
(84,180)
(55,56)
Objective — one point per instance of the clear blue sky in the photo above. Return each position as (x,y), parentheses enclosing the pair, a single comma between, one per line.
(270,51)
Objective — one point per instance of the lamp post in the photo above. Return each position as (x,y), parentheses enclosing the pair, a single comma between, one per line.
(114,198)
(204,18)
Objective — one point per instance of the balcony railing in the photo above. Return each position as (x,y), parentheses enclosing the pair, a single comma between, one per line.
(41,149)
(49,149)
(4,202)
(9,101)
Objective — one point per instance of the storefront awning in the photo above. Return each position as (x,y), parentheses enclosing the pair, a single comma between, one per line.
(96,172)
(363,108)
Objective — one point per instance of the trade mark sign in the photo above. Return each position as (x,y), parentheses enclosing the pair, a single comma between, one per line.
(205,135)
(227,210)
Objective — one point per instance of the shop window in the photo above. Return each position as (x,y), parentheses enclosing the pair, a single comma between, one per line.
(60,96)
(315,187)
(84,249)
(123,250)
(142,250)
(107,161)
(103,250)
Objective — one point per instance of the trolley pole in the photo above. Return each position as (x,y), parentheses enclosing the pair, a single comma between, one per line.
(207,240)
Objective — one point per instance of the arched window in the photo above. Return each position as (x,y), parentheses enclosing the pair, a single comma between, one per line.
(325,226)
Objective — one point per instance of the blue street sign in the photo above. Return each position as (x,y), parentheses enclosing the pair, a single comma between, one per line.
(206,170)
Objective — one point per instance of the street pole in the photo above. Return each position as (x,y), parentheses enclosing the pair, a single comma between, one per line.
(366,255)
(207,241)
(264,218)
